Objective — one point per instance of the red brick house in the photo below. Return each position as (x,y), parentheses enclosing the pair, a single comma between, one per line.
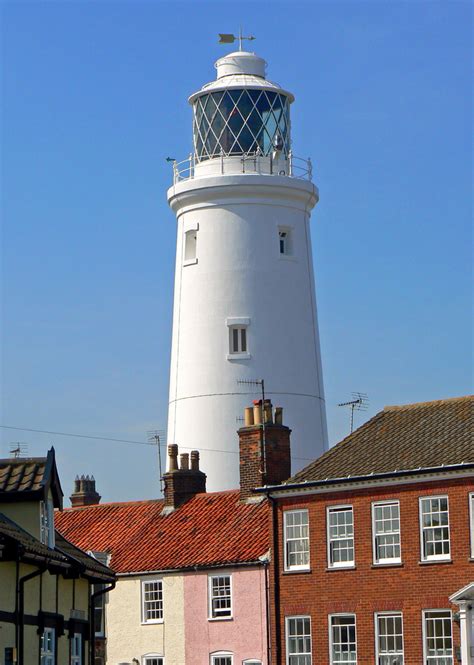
(373,544)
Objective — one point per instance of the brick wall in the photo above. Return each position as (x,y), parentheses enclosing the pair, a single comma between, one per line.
(277,457)
(366,589)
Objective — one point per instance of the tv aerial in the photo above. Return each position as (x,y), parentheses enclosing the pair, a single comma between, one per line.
(359,402)
(154,437)
(18,449)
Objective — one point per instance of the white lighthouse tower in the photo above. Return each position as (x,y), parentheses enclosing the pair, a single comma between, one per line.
(244,297)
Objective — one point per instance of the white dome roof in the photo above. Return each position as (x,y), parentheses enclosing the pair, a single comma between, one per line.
(240,69)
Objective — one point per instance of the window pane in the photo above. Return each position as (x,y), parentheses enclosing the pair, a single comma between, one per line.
(435,528)
(152,596)
(296,539)
(387,531)
(343,640)
(390,639)
(220,596)
(298,637)
(243,340)
(438,638)
(341,536)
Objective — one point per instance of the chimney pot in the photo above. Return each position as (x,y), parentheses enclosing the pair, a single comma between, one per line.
(248,416)
(173,457)
(194,460)
(278,415)
(257,412)
(184,462)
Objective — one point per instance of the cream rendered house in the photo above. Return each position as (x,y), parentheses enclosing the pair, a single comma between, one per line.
(45,582)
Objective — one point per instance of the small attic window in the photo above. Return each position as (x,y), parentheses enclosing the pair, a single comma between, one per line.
(47,523)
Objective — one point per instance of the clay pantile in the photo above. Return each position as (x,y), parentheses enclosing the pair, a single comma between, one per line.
(208,530)
(421,436)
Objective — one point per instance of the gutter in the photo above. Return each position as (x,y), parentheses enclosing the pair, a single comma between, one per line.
(329,482)
(21,619)
(276,585)
(92,598)
(190,569)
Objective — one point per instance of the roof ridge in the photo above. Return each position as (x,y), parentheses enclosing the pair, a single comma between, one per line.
(434,402)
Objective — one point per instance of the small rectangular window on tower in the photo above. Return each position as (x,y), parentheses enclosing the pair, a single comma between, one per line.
(190,247)
(285,241)
(238,339)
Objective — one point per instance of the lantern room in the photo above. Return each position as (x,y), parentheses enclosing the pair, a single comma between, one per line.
(241,112)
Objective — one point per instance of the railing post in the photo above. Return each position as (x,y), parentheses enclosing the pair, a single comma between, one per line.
(290,163)
(175,172)
(310,169)
(222,162)
(271,163)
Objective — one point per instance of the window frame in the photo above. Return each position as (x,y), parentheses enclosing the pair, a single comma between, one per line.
(341,564)
(288,242)
(433,557)
(149,656)
(239,323)
(47,523)
(210,609)
(76,658)
(48,657)
(188,229)
(143,582)
(425,654)
(471,522)
(377,635)
(389,560)
(297,567)
(287,638)
(330,626)
(221,654)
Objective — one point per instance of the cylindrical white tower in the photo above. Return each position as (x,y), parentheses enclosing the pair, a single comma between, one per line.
(244,299)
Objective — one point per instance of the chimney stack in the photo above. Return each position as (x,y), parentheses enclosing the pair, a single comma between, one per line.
(264,445)
(182,483)
(84,492)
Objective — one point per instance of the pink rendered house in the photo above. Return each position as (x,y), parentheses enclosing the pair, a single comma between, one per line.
(192,568)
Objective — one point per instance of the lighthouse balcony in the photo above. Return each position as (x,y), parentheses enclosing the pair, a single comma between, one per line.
(248,163)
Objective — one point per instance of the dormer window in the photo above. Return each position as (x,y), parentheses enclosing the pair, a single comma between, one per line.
(47,523)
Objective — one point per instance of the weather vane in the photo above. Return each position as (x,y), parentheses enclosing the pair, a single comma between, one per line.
(230,39)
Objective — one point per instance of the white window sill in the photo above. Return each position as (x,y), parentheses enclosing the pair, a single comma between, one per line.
(424,562)
(190,262)
(238,356)
(299,569)
(152,622)
(220,618)
(387,562)
(349,566)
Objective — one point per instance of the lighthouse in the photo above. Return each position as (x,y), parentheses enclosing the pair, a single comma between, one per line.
(244,294)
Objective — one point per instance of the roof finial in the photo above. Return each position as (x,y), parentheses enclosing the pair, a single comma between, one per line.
(226,38)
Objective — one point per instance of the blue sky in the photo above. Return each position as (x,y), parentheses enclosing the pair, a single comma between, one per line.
(95,99)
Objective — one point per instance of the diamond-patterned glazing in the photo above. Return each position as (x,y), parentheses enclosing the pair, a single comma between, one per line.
(236,122)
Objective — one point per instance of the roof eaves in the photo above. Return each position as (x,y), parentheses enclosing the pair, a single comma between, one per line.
(370,476)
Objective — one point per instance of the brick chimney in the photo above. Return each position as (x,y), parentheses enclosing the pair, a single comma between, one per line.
(264,445)
(84,492)
(182,483)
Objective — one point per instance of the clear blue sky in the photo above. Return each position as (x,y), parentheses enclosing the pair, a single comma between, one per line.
(95,99)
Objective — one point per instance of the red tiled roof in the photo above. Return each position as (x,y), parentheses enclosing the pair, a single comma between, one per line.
(209,529)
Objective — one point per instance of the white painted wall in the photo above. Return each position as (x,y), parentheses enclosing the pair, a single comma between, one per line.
(239,273)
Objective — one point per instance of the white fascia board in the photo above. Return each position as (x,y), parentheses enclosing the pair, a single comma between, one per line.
(346,485)
(464,594)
